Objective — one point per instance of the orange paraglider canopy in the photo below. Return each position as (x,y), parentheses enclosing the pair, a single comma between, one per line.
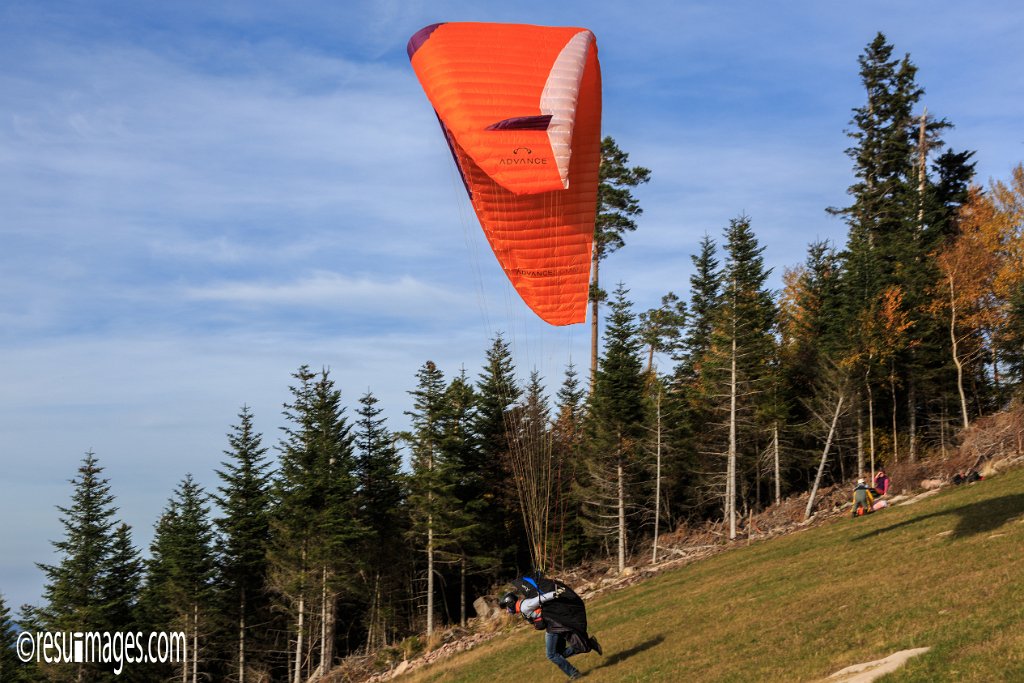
(520,107)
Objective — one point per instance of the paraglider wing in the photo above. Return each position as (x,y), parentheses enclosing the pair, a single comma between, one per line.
(520,107)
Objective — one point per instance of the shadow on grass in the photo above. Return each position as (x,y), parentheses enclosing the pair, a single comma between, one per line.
(617,657)
(975,518)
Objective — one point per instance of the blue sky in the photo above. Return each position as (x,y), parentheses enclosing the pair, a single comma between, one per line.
(196,198)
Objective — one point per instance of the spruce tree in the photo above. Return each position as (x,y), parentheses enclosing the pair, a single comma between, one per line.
(705,287)
(380,498)
(497,393)
(243,540)
(432,485)
(810,330)
(899,215)
(79,595)
(73,597)
(740,361)
(123,580)
(617,429)
(316,528)
(568,436)
(182,569)
(688,417)
(30,620)
(472,548)
(811,337)
(11,667)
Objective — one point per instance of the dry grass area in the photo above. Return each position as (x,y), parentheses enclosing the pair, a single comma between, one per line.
(941,573)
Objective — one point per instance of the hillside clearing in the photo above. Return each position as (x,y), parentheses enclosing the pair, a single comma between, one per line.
(943,573)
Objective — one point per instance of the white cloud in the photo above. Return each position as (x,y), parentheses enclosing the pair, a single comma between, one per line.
(404,294)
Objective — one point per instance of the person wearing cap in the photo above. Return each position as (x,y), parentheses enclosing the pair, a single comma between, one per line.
(863,498)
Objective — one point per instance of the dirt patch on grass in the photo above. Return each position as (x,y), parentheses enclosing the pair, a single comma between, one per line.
(869,671)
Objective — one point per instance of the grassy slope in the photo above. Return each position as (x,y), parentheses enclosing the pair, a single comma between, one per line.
(946,572)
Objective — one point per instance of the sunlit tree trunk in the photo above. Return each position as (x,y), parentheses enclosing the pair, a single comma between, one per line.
(824,459)
(730,487)
(778,473)
(956,354)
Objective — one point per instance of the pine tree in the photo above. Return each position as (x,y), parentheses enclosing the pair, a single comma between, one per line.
(497,392)
(431,497)
(740,361)
(471,546)
(11,667)
(71,596)
(244,536)
(76,593)
(123,580)
(705,288)
(617,429)
(686,409)
(568,432)
(380,500)
(182,569)
(898,216)
(810,337)
(30,620)
(316,528)
(617,210)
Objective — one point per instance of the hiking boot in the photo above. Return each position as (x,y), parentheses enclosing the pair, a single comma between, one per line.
(596,646)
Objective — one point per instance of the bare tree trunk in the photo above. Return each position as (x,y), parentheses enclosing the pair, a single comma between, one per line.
(430,552)
(860,439)
(922,170)
(731,468)
(326,625)
(657,481)
(942,430)
(895,433)
(778,469)
(912,415)
(300,627)
(241,639)
(871,426)
(195,642)
(299,644)
(462,592)
(430,575)
(824,458)
(956,356)
(619,470)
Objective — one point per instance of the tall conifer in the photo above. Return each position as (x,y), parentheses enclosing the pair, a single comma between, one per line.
(182,569)
(244,536)
(617,428)
(432,500)
(380,497)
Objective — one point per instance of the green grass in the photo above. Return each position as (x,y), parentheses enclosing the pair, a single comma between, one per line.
(946,572)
